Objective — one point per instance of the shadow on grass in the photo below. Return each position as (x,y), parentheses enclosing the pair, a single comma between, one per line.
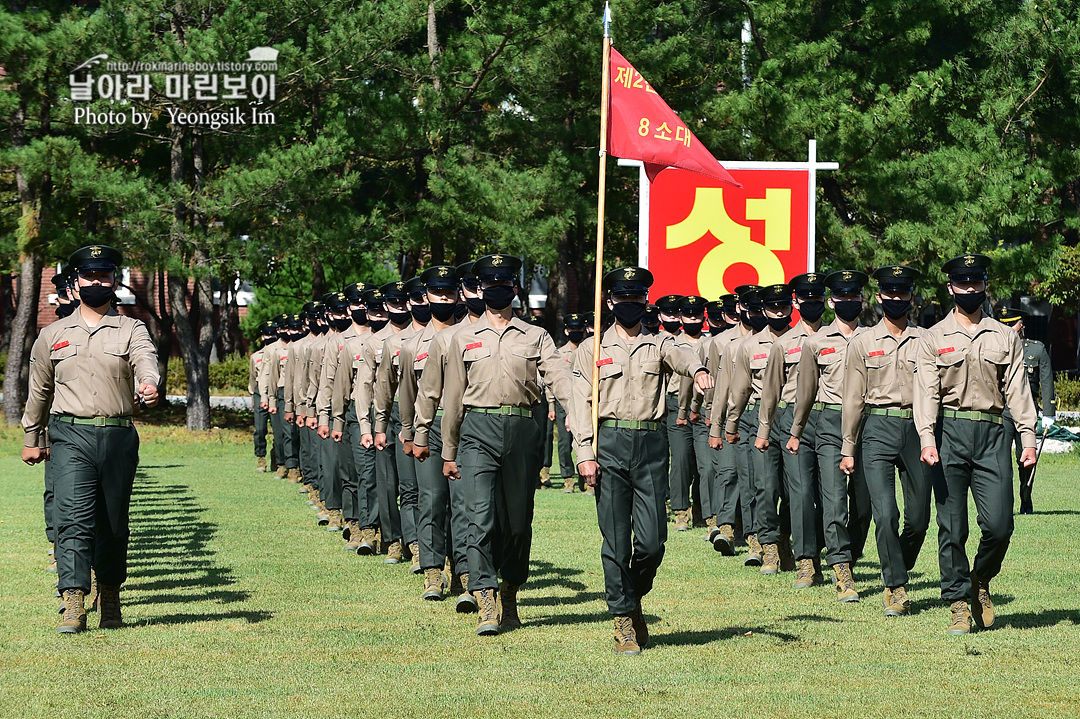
(1054,511)
(1045,618)
(171,560)
(545,575)
(811,618)
(708,636)
(935,603)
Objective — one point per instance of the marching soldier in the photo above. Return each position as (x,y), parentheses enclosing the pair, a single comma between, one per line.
(651,320)
(626,462)
(1041,378)
(334,462)
(65,305)
(774,427)
(680,436)
(87,371)
(262,417)
(574,328)
(969,368)
(272,389)
(490,441)
(818,397)
(692,316)
(879,433)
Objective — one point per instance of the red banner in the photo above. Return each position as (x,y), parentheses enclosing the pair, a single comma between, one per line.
(706,238)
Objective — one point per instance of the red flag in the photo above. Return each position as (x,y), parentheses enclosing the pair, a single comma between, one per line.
(643,127)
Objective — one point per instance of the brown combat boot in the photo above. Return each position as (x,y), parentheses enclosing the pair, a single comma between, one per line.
(895,602)
(590,489)
(545,478)
(710,528)
(488,613)
(787,557)
(280,473)
(74,619)
(91,601)
(367,544)
(335,525)
(724,540)
(641,629)
(753,552)
(393,553)
(110,617)
(322,518)
(807,575)
(961,618)
(770,559)
(845,584)
(625,640)
(682,520)
(508,613)
(982,609)
(466,602)
(568,485)
(356,535)
(260,464)
(293,475)
(433,585)
(312,497)
(414,552)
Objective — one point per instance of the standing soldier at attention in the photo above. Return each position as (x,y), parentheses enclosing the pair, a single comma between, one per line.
(334,462)
(969,368)
(774,428)
(692,316)
(574,328)
(267,382)
(266,332)
(626,461)
(879,433)
(680,436)
(289,459)
(490,441)
(296,368)
(1041,378)
(87,371)
(818,397)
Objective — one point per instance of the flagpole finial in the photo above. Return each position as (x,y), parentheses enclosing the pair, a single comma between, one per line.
(607,20)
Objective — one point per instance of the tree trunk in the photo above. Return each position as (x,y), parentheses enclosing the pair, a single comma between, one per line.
(318,277)
(7,302)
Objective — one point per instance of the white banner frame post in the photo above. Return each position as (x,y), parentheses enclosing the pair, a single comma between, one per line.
(811,166)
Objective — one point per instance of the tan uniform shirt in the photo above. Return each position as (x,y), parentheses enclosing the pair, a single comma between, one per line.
(349,360)
(331,357)
(489,367)
(821,373)
(87,372)
(415,353)
(388,377)
(676,384)
(689,398)
(294,371)
(312,366)
(879,371)
(748,375)
(983,372)
(267,380)
(429,389)
(364,383)
(254,367)
(634,378)
(724,357)
(781,375)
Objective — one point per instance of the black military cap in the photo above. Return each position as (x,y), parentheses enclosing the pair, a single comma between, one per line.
(95,257)
(466,275)
(355,290)
(307,309)
(394,291)
(692,305)
(295,323)
(336,302)
(372,298)
(776,295)
(574,321)
(316,310)
(267,328)
(440,277)
(846,282)
(808,284)
(60,279)
(497,268)
(967,268)
(282,320)
(715,310)
(749,295)
(1008,315)
(670,304)
(896,277)
(415,288)
(728,303)
(536,320)
(628,281)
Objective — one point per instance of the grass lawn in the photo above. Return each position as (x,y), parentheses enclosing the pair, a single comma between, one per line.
(239,606)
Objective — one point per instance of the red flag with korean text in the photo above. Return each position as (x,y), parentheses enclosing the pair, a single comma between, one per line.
(643,127)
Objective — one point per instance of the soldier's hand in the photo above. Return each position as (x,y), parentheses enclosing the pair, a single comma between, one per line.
(149,394)
(551,415)
(380,440)
(337,436)
(1028,457)
(264,405)
(407,446)
(450,470)
(420,453)
(33,455)
(695,416)
(366,441)
(930,456)
(716,442)
(324,431)
(793,445)
(566,423)
(732,438)
(761,444)
(680,422)
(271,409)
(290,417)
(312,422)
(847,465)
(703,381)
(589,471)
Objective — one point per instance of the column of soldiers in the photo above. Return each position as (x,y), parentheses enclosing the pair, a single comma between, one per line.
(411,416)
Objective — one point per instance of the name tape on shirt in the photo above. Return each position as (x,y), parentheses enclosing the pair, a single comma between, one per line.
(420,357)
(875,353)
(474,345)
(606,360)
(793,350)
(60,345)
(827,351)
(945,350)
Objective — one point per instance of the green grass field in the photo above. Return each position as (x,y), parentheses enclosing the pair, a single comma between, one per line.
(239,606)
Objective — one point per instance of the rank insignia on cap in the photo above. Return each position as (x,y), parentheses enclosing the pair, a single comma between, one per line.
(497,260)
(812,278)
(630,273)
(95,251)
(969,260)
(444,271)
(898,271)
(847,276)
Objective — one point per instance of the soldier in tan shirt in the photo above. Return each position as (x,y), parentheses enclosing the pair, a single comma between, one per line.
(334,459)
(625,461)
(296,369)
(290,328)
(267,332)
(682,471)
(574,329)
(969,368)
(87,373)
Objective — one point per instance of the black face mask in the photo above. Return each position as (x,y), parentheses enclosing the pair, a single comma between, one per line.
(779,323)
(96,295)
(318,329)
(460,311)
(758,322)
(475,305)
(499,297)
(847,310)
(692,328)
(576,336)
(359,316)
(399,318)
(895,309)
(811,310)
(671,326)
(376,325)
(421,313)
(63,311)
(629,314)
(968,302)
(442,311)
(342,324)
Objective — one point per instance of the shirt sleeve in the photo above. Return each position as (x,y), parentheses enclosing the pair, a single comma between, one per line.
(927,398)
(854,394)
(772,384)
(39,395)
(1017,391)
(142,354)
(740,387)
(806,385)
(579,411)
(454,382)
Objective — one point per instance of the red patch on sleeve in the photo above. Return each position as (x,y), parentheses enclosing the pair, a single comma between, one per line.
(474,345)
(397,353)
(793,350)
(357,357)
(60,345)
(258,360)
(606,360)
(760,356)
(827,351)
(875,353)
(422,356)
(945,350)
